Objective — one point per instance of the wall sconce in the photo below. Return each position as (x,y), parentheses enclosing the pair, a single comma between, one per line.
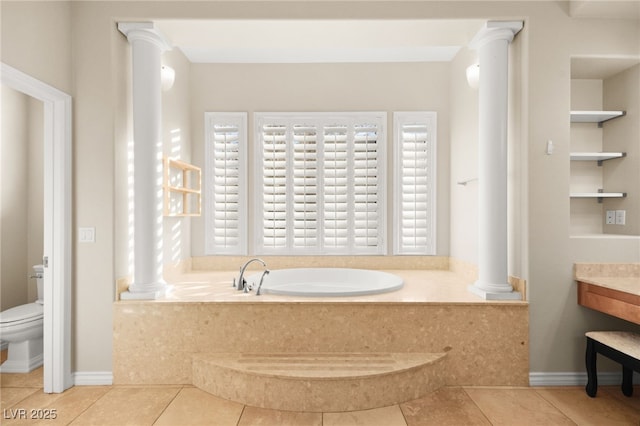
(167,77)
(473,75)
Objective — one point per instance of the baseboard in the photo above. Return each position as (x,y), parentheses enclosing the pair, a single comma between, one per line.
(576,379)
(92,378)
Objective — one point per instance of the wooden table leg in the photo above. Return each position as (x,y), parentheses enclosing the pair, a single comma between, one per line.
(590,361)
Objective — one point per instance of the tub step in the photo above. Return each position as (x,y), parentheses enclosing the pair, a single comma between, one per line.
(321,382)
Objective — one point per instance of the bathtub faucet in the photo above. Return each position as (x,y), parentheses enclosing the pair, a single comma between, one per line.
(242,284)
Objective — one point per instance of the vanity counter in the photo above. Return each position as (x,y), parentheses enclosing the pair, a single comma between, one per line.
(610,288)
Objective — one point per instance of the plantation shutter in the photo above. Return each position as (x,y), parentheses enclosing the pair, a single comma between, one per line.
(225,151)
(322,184)
(274,186)
(336,194)
(415,143)
(366,185)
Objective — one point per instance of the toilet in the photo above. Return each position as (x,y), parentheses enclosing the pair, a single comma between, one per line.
(22,327)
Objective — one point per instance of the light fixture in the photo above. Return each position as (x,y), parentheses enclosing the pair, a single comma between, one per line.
(473,75)
(167,76)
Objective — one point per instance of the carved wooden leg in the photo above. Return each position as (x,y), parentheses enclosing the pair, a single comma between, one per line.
(627,381)
(590,360)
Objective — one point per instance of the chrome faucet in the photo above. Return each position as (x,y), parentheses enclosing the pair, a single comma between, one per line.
(241,285)
(266,272)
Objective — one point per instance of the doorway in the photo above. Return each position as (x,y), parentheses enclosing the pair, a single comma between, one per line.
(57,225)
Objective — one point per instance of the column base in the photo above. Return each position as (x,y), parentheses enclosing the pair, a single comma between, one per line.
(148,293)
(494,295)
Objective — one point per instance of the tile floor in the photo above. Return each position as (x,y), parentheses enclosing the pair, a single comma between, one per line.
(22,396)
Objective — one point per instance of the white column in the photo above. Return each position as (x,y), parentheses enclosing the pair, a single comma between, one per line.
(147,45)
(492,44)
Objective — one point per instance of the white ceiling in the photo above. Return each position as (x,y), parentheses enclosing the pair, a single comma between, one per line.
(621,9)
(599,68)
(308,41)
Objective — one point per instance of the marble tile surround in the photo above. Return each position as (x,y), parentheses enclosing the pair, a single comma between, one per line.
(154,341)
(612,270)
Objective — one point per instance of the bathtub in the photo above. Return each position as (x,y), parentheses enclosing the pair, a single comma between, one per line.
(325,282)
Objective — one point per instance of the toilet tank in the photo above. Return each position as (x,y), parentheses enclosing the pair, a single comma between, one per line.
(39,276)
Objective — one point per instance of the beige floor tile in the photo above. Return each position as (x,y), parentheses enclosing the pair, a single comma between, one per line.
(33,379)
(386,416)
(604,409)
(447,406)
(509,406)
(129,406)
(11,396)
(58,408)
(253,416)
(193,406)
(615,391)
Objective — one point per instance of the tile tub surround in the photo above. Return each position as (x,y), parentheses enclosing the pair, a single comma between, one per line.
(155,341)
(608,270)
(319,382)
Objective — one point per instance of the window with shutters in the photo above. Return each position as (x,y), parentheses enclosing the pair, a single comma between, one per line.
(415,183)
(319,183)
(226,183)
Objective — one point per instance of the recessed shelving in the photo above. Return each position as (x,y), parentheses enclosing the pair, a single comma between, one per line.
(598,117)
(596,156)
(182,180)
(598,195)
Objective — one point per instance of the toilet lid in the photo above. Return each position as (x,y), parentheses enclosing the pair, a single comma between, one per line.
(29,311)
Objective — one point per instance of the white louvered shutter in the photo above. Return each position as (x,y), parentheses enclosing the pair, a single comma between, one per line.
(415,146)
(225,168)
(335,180)
(322,183)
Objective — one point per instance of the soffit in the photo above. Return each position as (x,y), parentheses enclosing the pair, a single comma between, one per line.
(305,41)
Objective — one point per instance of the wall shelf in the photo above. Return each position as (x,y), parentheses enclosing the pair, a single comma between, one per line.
(598,117)
(599,195)
(184,182)
(596,156)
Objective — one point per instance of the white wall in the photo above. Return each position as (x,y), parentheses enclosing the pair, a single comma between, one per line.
(22,171)
(38,38)
(327,87)
(14,147)
(622,91)
(178,140)
(464,161)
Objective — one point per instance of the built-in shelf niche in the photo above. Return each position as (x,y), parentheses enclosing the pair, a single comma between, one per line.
(598,195)
(599,157)
(182,188)
(597,117)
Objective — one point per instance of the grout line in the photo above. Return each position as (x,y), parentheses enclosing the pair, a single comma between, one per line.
(464,389)
(560,410)
(90,405)
(241,414)
(402,412)
(168,404)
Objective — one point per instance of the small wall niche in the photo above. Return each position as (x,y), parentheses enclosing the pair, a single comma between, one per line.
(605,146)
(182,188)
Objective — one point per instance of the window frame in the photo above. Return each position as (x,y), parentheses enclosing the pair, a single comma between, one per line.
(238,119)
(430,120)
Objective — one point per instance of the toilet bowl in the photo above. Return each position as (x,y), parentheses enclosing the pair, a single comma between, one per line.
(22,327)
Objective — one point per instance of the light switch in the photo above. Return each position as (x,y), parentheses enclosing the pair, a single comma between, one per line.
(620,217)
(87,235)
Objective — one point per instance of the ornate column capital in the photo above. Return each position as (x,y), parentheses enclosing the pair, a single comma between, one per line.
(144,31)
(496,30)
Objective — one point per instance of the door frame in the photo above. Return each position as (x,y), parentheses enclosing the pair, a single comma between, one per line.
(57,225)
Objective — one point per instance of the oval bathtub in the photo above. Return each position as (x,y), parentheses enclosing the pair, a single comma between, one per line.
(326,282)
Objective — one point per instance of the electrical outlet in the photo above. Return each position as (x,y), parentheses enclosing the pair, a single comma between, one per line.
(611,217)
(620,217)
